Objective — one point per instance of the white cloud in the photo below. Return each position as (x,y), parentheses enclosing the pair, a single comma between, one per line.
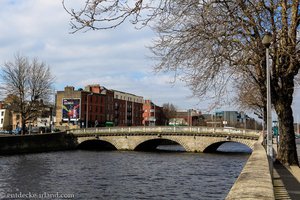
(114,58)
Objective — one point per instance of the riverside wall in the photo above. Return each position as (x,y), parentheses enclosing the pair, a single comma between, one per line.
(255,180)
(36,143)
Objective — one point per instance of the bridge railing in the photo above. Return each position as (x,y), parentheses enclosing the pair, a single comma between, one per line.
(165,129)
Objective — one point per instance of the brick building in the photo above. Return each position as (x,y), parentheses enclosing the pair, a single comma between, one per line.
(128,109)
(103,109)
(97,106)
(152,114)
(188,117)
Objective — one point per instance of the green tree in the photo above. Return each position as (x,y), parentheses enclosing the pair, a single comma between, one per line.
(213,43)
(27,86)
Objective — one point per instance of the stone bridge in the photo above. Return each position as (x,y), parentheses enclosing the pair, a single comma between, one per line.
(192,139)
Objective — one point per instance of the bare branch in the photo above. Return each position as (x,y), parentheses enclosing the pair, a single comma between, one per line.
(26,85)
(208,43)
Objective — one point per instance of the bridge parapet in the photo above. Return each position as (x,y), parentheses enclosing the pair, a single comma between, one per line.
(166,129)
(193,139)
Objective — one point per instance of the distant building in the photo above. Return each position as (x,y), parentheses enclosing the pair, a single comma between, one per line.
(152,114)
(97,106)
(128,109)
(188,117)
(296,128)
(230,119)
(105,106)
(5,118)
(11,120)
(46,120)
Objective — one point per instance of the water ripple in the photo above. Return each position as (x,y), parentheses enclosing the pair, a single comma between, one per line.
(122,175)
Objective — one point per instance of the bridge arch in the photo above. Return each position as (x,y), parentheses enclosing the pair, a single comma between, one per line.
(96,144)
(152,144)
(216,143)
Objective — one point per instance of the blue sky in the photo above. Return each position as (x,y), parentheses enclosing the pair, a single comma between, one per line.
(117,59)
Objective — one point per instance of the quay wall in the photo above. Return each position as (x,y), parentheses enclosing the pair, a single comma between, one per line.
(255,180)
(36,143)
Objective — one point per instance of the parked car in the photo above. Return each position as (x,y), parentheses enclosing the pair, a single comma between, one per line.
(5,132)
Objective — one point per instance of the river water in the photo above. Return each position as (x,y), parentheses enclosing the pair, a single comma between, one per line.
(121,175)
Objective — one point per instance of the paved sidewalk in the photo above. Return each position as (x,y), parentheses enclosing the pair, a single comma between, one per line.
(285,181)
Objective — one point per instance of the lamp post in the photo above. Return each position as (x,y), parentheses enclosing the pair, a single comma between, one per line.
(267,42)
(87,110)
(51,119)
(190,121)
(154,116)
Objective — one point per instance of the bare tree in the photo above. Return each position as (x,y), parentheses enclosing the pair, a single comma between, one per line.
(210,43)
(27,85)
(249,97)
(169,111)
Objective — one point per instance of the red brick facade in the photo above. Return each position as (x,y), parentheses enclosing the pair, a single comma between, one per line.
(152,114)
(98,106)
(128,109)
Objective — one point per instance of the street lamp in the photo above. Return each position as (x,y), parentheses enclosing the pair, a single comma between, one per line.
(190,118)
(267,42)
(87,110)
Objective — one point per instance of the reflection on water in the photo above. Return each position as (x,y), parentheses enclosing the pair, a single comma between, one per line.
(232,147)
(123,174)
(227,147)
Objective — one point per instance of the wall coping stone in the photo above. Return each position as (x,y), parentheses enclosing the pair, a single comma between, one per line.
(255,180)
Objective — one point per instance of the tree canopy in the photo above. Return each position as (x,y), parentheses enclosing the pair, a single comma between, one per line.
(210,44)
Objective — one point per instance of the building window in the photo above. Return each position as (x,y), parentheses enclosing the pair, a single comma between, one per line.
(2,121)
(2,113)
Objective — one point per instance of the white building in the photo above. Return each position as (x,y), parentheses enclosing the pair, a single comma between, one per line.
(4,119)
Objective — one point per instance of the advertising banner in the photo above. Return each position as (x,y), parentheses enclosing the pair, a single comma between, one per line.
(71,109)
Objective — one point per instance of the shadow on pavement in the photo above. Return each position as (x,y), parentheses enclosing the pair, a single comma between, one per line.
(286,186)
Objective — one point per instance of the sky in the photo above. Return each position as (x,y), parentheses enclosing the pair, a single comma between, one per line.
(116,59)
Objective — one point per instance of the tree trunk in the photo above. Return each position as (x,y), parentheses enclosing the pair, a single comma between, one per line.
(23,130)
(287,152)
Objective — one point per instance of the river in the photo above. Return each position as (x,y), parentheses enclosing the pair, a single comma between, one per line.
(122,175)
